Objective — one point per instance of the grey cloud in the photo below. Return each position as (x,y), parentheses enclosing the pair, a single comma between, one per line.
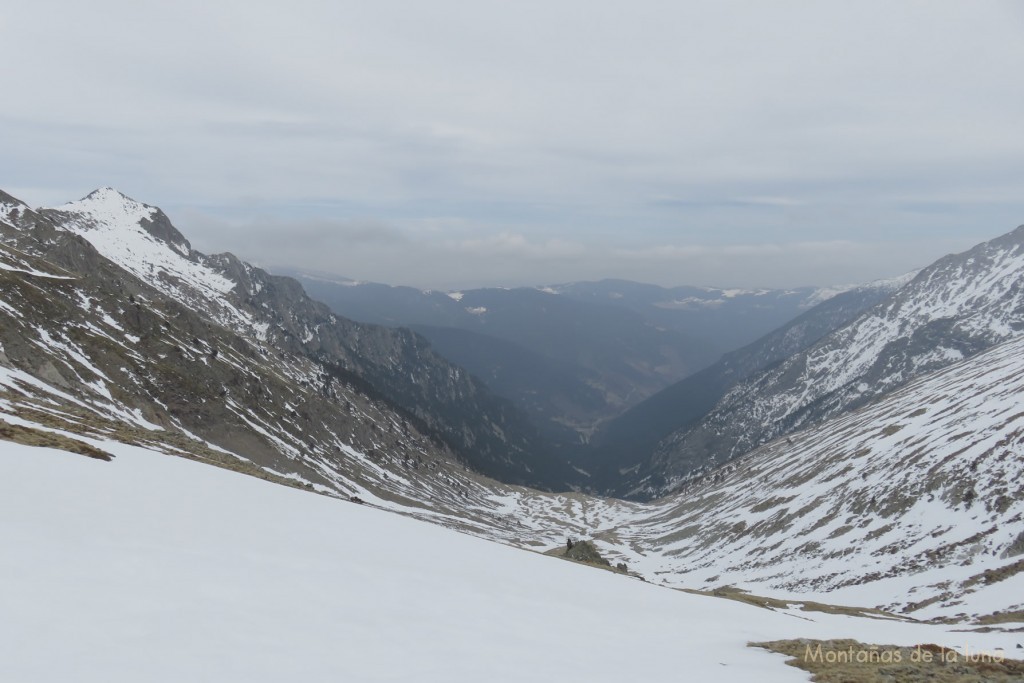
(545,134)
(506,244)
(272,235)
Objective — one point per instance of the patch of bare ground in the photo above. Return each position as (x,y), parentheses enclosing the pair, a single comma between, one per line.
(740,595)
(1012,617)
(75,421)
(985,578)
(990,576)
(37,437)
(849,661)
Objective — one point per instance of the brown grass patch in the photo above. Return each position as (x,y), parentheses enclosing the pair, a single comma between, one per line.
(37,437)
(1002,618)
(740,595)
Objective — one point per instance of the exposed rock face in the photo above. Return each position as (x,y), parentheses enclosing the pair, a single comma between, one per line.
(584,551)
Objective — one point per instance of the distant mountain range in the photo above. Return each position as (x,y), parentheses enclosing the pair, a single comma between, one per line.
(573,356)
(591,362)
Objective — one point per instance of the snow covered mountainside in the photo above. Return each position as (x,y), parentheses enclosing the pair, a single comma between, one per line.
(911,502)
(157,569)
(914,503)
(623,446)
(215,347)
(951,310)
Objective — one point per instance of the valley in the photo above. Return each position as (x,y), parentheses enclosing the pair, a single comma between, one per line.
(862,458)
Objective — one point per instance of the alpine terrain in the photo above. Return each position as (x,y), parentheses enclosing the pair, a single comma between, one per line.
(853,479)
(132,321)
(573,356)
(951,310)
(624,444)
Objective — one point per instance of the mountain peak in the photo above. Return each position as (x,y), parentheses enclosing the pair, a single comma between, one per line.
(110,198)
(114,212)
(10,206)
(107,204)
(106,191)
(140,238)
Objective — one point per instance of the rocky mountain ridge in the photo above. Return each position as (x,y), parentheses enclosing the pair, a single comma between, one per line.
(237,327)
(951,310)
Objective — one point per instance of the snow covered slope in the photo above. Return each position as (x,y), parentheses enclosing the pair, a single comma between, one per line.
(157,569)
(913,503)
(261,317)
(152,351)
(140,237)
(956,307)
(621,461)
(10,206)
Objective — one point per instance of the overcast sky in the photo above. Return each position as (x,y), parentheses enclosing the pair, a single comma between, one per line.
(451,144)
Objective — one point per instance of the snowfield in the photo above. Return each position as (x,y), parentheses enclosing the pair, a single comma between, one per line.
(155,568)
